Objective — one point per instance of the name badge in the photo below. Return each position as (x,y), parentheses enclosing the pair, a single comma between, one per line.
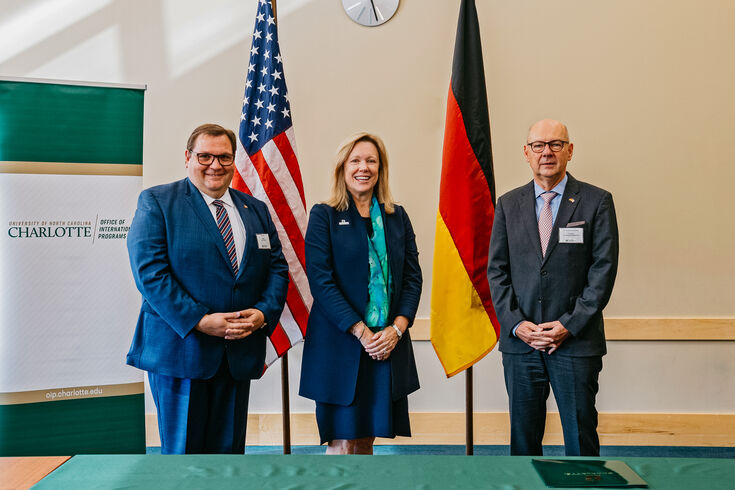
(571,235)
(264,241)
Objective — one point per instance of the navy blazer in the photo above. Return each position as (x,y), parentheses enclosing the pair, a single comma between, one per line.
(571,284)
(338,271)
(180,266)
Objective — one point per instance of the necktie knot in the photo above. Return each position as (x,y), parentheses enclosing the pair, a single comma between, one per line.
(218,203)
(546,196)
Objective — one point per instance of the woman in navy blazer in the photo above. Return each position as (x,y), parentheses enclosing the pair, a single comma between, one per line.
(360,374)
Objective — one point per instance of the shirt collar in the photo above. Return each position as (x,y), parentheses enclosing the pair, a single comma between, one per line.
(558,188)
(226,198)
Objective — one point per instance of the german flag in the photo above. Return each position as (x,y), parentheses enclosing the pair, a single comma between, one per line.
(464,327)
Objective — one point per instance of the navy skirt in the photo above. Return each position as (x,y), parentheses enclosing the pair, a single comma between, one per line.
(372,413)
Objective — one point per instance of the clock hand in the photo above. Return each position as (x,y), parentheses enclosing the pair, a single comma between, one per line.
(374,12)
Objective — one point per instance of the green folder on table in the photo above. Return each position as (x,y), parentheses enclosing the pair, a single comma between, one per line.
(587,473)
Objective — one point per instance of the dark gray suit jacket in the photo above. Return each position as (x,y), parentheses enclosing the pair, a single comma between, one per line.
(572,283)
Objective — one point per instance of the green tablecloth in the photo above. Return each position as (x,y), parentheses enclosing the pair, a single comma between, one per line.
(343,472)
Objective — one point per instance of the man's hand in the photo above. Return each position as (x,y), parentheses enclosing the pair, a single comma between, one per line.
(216,324)
(555,333)
(231,326)
(249,321)
(532,334)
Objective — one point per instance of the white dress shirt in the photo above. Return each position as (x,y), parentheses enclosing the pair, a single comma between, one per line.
(238,227)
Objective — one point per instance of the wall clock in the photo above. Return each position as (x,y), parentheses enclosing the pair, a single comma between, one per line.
(370,13)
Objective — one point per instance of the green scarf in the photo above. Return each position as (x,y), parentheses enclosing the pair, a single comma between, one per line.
(381,282)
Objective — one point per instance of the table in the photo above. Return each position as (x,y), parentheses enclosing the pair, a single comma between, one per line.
(21,473)
(379,472)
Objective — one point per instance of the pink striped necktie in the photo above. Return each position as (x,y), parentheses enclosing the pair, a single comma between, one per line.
(223,223)
(546,221)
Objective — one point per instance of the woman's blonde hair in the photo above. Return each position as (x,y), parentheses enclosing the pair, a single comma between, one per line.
(339,198)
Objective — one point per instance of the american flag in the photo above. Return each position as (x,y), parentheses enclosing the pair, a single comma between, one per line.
(269,170)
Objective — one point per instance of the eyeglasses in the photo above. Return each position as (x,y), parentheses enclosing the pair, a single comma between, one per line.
(538,146)
(225,159)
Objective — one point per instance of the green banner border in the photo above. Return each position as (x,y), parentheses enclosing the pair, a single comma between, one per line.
(105,425)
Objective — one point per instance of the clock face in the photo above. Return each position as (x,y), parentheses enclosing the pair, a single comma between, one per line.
(370,12)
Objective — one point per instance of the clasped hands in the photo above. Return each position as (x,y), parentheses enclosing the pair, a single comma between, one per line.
(546,337)
(235,325)
(378,345)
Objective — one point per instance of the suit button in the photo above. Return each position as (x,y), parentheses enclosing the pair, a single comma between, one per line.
(544,273)
(539,300)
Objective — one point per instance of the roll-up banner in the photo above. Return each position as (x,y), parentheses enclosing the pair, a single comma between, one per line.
(70,171)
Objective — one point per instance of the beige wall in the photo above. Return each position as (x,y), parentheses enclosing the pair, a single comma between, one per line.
(644,86)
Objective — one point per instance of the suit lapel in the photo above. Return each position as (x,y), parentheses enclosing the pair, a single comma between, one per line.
(394,261)
(358,226)
(527,212)
(569,202)
(251,240)
(201,210)
(361,270)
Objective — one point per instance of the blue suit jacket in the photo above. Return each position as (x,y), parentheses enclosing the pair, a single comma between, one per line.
(572,283)
(337,266)
(180,266)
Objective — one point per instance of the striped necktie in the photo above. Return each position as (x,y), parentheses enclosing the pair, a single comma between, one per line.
(545,221)
(223,223)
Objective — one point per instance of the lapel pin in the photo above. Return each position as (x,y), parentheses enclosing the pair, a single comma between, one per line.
(245,206)
(571,199)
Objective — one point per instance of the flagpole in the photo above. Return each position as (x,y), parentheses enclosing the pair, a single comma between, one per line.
(285,401)
(285,405)
(469,426)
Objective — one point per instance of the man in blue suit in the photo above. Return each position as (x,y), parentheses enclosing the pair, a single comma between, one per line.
(208,262)
(552,266)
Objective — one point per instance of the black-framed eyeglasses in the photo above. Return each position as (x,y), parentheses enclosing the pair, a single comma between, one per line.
(538,146)
(224,159)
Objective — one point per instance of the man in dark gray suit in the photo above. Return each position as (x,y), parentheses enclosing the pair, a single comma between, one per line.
(552,266)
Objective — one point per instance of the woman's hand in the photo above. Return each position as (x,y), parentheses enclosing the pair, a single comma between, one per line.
(382,343)
(363,334)
(379,345)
